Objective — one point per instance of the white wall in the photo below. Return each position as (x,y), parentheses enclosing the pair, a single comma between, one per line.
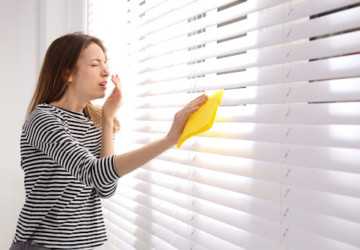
(27,27)
(58,17)
(19,65)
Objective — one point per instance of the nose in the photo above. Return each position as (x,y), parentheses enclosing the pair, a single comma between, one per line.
(105,71)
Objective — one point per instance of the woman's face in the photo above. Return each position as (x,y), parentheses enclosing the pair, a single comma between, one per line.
(89,78)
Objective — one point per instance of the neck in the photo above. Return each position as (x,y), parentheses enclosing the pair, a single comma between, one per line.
(72,104)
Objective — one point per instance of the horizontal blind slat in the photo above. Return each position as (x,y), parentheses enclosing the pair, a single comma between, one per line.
(297,113)
(245,79)
(298,92)
(347,136)
(338,67)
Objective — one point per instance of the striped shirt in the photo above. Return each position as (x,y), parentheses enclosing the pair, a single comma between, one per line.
(64,180)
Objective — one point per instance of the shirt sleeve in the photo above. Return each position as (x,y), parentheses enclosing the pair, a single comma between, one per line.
(47,133)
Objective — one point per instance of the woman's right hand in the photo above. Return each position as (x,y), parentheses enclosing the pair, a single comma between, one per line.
(113,102)
(182,116)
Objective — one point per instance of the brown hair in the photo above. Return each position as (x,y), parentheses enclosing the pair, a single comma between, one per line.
(61,57)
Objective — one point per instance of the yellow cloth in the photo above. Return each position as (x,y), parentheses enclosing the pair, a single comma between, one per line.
(202,119)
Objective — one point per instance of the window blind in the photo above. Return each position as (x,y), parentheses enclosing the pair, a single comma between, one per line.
(280,169)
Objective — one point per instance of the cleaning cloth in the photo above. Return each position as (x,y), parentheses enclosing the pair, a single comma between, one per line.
(202,119)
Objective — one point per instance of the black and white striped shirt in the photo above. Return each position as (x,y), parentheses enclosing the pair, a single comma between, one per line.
(64,180)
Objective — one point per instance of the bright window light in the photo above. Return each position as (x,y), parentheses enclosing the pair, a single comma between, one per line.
(282,157)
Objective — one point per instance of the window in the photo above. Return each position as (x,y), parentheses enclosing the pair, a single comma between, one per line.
(280,167)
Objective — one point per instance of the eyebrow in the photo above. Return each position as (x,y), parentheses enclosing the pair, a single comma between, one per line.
(96,59)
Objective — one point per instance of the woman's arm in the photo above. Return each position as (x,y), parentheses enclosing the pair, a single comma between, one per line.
(132,160)
(107,143)
(127,162)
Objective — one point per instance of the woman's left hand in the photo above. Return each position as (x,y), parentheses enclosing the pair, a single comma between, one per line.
(182,116)
(113,102)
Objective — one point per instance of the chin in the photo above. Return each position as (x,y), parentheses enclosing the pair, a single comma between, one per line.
(98,97)
(102,95)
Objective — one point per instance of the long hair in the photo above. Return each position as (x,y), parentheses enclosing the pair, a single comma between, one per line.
(60,60)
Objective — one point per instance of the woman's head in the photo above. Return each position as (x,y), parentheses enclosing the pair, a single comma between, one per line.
(63,66)
(87,81)
(59,64)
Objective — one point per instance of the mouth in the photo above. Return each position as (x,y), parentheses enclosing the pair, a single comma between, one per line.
(103,84)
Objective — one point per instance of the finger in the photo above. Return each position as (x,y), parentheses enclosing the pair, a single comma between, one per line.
(119,82)
(187,111)
(116,80)
(199,98)
(198,101)
(116,92)
(113,79)
(192,110)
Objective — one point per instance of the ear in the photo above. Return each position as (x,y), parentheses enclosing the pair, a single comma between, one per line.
(67,75)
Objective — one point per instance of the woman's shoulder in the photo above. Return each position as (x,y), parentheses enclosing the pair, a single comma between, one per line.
(45,109)
(43,114)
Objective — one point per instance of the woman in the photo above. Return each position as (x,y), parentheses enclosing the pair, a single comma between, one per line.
(67,150)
